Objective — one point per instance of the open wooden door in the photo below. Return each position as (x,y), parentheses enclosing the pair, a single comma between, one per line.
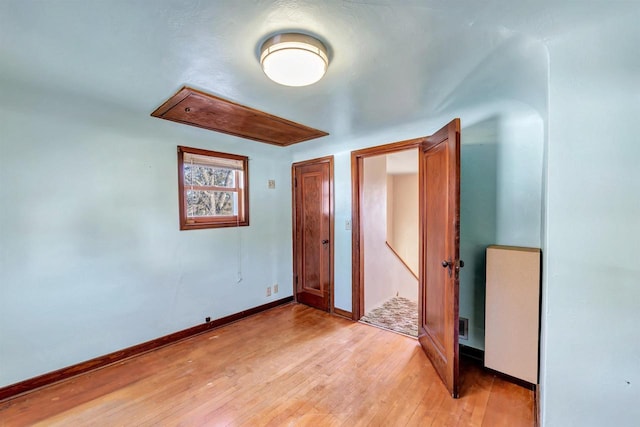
(313,232)
(440,262)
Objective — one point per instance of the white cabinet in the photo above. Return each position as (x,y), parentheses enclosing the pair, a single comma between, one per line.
(512,312)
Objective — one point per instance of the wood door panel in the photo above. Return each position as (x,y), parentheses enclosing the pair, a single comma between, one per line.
(436,209)
(307,297)
(313,229)
(439,240)
(440,230)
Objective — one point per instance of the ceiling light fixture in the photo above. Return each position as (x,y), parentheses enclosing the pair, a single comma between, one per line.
(294,59)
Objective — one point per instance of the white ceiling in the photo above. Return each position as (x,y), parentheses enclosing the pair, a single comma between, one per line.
(392,62)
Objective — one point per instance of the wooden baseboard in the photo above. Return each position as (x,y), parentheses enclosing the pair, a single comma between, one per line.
(477,356)
(342,313)
(472,353)
(514,380)
(13,390)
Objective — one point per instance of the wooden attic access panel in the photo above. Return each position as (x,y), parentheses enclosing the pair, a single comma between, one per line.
(196,108)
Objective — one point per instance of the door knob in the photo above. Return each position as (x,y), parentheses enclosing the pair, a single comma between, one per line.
(447,264)
(450,264)
(324,242)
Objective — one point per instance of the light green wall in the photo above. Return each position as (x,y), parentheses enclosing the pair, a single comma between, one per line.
(591,308)
(478,219)
(500,200)
(92,259)
(503,135)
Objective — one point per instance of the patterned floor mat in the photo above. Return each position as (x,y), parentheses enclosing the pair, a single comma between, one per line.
(398,314)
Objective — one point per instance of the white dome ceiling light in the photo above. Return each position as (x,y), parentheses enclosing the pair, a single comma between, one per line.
(294,59)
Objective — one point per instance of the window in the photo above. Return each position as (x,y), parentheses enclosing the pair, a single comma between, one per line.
(213,188)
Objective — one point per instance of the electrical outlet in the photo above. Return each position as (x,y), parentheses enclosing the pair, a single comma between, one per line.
(347,224)
(271,184)
(268,291)
(275,288)
(207,319)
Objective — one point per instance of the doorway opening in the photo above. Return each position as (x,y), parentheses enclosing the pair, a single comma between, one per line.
(359,250)
(439,243)
(390,231)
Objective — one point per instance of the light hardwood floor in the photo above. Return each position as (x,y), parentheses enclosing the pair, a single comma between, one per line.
(292,365)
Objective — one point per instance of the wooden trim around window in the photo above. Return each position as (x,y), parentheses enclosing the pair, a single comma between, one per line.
(221,221)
